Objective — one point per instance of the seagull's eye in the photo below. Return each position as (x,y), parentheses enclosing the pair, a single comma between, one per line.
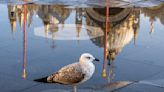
(88,57)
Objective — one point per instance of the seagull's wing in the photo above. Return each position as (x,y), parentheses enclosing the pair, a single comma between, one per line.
(70,74)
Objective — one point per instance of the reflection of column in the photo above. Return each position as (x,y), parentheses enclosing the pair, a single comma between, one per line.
(24,43)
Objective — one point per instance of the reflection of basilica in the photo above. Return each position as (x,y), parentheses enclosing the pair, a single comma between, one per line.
(123,27)
(123,23)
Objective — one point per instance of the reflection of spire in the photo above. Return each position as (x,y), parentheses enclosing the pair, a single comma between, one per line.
(53,29)
(78,21)
(46,28)
(111,72)
(13,24)
(24,44)
(30,19)
(135,36)
(78,29)
(53,44)
(135,28)
(151,26)
(12,16)
(21,17)
(111,55)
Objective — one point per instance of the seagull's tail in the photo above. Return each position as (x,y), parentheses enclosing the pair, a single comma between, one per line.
(43,80)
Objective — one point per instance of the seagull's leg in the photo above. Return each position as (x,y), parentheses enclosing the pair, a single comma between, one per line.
(74,88)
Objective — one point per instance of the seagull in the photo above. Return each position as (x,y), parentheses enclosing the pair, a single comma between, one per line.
(73,74)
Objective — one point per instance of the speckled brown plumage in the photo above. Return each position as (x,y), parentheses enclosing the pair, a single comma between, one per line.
(69,75)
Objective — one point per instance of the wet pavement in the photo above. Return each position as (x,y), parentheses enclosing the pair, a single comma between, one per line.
(39,37)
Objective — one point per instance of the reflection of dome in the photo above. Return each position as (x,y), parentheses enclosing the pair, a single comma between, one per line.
(13,25)
(116,14)
(54,11)
(121,32)
(60,12)
(52,15)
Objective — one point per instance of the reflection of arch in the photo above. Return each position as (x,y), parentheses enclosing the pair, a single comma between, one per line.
(112,18)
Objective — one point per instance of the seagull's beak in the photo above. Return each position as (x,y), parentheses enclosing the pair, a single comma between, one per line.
(96,59)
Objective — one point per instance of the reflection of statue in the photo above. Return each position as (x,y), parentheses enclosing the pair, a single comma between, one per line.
(121,30)
(153,13)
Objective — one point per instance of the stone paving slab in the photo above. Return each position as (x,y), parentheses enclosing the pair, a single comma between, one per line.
(138,87)
(156,80)
(85,88)
(133,70)
(13,84)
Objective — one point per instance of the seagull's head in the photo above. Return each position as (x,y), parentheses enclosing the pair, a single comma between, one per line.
(87,57)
